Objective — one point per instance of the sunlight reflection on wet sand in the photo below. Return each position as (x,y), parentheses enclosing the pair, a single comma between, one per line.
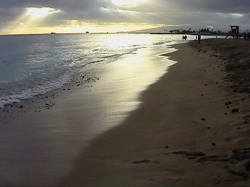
(46,143)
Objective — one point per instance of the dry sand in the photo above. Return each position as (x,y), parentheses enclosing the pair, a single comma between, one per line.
(191,129)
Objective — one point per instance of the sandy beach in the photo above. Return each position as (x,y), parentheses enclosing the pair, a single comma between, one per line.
(190,127)
(41,137)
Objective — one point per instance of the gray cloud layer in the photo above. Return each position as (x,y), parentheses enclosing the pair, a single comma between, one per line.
(170,12)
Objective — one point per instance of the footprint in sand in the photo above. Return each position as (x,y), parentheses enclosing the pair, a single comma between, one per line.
(144,161)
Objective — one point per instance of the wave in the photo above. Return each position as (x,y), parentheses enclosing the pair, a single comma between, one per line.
(33,64)
(35,91)
(159,43)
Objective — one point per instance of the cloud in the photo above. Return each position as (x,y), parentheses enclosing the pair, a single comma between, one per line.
(170,12)
(221,6)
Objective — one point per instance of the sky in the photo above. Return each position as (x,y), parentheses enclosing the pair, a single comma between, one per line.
(79,16)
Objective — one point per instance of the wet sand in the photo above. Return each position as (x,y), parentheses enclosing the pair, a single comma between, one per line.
(191,128)
(41,138)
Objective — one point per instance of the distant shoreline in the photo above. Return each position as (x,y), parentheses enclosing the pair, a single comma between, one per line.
(189,34)
(54,33)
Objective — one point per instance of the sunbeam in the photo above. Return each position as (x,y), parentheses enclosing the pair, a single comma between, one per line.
(29,21)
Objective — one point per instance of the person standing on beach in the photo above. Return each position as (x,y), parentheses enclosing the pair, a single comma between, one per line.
(245,35)
(199,38)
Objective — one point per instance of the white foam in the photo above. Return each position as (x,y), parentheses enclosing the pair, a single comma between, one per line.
(37,90)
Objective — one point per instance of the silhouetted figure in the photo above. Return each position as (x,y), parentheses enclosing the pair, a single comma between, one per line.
(245,35)
(184,37)
(199,38)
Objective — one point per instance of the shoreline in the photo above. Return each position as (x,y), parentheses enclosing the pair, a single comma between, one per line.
(188,116)
(195,113)
(45,134)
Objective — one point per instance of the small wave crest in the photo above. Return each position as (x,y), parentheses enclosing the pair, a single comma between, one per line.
(158,43)
(37,90)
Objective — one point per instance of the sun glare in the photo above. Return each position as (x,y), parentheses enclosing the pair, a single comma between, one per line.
(126,2)
(40,12)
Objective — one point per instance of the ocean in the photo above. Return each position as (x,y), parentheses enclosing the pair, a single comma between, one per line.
(32,65)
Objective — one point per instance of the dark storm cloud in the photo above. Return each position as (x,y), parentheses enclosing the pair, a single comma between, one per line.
(221,6)
(76,6)
(218,6)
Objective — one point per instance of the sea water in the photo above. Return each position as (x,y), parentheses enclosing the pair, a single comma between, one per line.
(32,65)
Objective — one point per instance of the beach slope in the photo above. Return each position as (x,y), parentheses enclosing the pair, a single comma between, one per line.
(191,129)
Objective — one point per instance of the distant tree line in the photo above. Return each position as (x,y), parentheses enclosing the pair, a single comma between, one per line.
(190,30)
